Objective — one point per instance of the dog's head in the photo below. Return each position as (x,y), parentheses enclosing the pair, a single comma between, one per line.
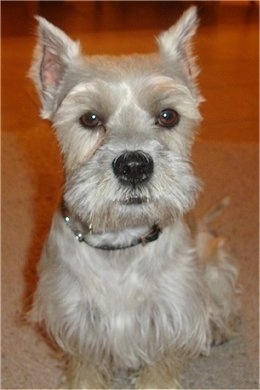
(125,126)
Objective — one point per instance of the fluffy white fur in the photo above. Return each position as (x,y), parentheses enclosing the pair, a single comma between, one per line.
(130,315)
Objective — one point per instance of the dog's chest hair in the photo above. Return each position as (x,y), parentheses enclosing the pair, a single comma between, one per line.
(130,304)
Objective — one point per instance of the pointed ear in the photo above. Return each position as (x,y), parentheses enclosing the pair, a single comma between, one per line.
(175,44)
(54,53)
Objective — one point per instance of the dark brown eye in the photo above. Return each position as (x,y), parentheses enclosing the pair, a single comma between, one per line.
(90,120)
(168,118)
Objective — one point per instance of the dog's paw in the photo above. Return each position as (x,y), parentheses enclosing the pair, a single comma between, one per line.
(222,334)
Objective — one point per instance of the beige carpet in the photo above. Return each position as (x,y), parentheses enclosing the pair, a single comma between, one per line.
(31,182)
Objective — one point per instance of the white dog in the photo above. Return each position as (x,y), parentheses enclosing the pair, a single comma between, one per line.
(123,288)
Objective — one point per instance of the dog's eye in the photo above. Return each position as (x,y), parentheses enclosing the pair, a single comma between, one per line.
(90,120)
(168,118)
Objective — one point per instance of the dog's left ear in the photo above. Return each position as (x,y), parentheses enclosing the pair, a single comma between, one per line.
(175,44)
(54,54)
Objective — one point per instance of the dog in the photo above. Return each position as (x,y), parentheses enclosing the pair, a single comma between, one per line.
(128,288)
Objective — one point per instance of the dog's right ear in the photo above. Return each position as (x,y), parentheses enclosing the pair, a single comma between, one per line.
(54,53)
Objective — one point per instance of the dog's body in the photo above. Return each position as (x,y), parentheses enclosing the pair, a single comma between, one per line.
(122,287)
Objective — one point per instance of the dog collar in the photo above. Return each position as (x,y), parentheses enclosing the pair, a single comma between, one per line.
(83,236)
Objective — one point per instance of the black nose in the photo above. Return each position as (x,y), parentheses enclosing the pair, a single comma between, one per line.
(133,167)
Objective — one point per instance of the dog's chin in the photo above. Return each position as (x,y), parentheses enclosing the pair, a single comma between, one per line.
(132,213)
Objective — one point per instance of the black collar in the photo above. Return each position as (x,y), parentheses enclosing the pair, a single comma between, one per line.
(83,236)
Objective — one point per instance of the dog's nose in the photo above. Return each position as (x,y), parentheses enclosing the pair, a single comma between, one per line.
(133,167)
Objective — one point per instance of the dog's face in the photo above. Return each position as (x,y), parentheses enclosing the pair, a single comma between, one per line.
(125,126)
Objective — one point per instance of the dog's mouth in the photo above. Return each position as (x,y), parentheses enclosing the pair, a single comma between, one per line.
(135,200)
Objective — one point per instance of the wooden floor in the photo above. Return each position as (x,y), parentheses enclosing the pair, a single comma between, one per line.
(227,46)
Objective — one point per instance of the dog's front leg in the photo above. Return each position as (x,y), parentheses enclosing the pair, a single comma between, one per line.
(161,375)
(83,374)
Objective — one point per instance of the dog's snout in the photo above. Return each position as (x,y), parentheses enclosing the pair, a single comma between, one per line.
(133,167)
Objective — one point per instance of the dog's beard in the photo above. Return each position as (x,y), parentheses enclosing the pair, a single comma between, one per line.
(97,197)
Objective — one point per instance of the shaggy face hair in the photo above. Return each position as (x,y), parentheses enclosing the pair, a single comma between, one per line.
(127,313)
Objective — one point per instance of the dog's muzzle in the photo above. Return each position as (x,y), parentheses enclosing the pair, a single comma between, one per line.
(133,167)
